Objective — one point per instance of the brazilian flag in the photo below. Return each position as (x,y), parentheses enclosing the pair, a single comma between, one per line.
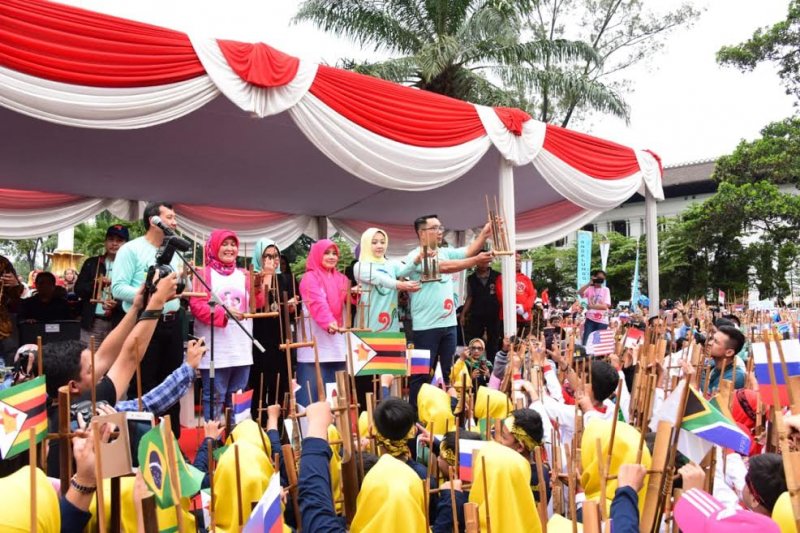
(155,469)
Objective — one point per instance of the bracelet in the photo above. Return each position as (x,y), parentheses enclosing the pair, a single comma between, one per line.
(151,314)
(83,489)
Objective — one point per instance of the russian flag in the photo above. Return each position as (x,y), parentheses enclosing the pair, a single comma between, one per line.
(267,516)
(420,361)
(241,405)
(465,449)
(791,354)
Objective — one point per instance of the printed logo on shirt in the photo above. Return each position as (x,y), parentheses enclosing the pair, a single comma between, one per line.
(520,288)
(449,307)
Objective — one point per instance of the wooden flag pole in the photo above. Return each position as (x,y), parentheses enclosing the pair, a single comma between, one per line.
(98,475)
(32,466)
(175,481)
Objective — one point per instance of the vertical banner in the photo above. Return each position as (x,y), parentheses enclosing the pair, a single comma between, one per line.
(721,297)
(605,246)
(584,257)
(635,282)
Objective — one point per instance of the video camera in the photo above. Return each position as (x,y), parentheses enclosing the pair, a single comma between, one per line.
(164,255)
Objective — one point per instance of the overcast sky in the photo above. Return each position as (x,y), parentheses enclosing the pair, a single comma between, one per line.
(684,106)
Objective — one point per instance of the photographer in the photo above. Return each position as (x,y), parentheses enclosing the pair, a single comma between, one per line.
(70,362)
(165,351)
(599,302)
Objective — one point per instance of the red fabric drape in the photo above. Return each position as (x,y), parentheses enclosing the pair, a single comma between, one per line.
(513,119)
(406,115)
(229,218)
(546,215)
(259,63)
(19,199)
(592,156)
(72,45)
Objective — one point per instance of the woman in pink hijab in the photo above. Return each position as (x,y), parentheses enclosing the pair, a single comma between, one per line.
(233,354)
(323,291)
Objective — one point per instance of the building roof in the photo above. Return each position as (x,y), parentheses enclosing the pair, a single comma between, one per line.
(689,172)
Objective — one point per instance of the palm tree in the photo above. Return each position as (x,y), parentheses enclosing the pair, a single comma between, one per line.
(468,49)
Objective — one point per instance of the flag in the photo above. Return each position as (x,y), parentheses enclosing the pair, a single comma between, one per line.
(154,467)
(241,405)
(379,353)
(22,407)
(465,449)
(420,361)
(438,376)
(721,297)
(267,516)
(545,298)
(791,354)
(783,327)
(633,337)
(703,425)
(601,342)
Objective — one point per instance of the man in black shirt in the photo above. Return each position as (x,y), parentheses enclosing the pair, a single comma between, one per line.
(482,309)
(44,306)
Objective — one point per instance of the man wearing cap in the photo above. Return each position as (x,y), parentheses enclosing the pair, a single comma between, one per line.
(98,318)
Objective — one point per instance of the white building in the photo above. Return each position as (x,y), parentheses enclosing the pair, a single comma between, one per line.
(684,184)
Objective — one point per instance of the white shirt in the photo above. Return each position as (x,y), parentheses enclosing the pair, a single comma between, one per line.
(232,347)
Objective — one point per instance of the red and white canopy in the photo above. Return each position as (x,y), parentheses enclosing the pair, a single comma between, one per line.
(97,111)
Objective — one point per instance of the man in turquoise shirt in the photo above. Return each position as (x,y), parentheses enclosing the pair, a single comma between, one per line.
(433,312)
(722,347)
(165,352)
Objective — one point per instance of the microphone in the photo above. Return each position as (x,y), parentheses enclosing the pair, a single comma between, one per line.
(157,222)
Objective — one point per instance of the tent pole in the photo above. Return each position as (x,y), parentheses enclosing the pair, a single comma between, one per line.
(506,187)
(322,227)
(651,229)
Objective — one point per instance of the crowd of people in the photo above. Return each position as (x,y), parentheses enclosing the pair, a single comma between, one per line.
(562,434)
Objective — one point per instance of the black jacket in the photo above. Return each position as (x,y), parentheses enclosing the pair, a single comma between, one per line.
(84,288)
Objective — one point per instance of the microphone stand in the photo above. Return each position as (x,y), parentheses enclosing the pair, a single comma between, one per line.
(213,302)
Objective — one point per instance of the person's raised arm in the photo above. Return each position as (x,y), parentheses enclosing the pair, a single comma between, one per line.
(451,266)
(135,345)
(477,245)
(111,346)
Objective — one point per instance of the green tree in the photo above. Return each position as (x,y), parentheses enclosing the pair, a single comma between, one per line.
(779,44)
(554,269)
(620,32)
(345,257)
(90,236)
(472,50)
(774,157)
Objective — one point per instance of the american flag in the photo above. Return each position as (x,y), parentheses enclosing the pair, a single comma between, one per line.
(601,342)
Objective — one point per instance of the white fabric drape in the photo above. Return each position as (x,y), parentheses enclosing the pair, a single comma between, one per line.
(284,232)
(585,191)
(551,233)
(651,173)
(263,102)
(33,223)
(381,161)
(100,107)
(519,150)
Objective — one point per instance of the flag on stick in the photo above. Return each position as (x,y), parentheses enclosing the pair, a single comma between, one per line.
(420,361)
(241,405)
(22,407)
(601,342)
(267,517)
(379,353)
(155,471)
(791,354)
(465,449)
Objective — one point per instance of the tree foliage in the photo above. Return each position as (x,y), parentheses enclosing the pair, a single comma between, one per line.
(29,254)
(90,236)
(779,44)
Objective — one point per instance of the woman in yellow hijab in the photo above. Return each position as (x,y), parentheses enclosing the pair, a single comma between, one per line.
(510,500)
(253,475)
(625,450)
(391,500)
(377,277)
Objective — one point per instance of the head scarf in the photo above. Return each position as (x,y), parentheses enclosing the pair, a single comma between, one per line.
(433,405)
(508,477)
(365,248)
(626,446)
(783,515)
(17,497)
(255,471)
(258,253)
(499,404)
(334,282)
(248,431)
(391,499)
(167,520)
(213,245)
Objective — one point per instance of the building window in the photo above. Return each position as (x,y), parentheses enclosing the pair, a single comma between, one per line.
(590,227)
(560,243)
(620,226)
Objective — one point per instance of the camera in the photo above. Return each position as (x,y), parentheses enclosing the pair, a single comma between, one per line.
(84,408)
(164,255)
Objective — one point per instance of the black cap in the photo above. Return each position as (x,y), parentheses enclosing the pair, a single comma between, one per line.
(117,230)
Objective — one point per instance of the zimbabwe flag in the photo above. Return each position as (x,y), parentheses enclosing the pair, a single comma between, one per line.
(379,353)
(22,407)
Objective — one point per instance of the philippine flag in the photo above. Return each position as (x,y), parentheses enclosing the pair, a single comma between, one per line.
(791,354)
(267,516)
(241,405)
(465,449)
(420,361)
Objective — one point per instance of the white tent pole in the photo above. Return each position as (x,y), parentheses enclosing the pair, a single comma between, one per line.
(651,229)
(506,187)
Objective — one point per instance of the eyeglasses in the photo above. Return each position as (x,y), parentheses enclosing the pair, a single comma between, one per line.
(437,229)
(476,348)
(270,256)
